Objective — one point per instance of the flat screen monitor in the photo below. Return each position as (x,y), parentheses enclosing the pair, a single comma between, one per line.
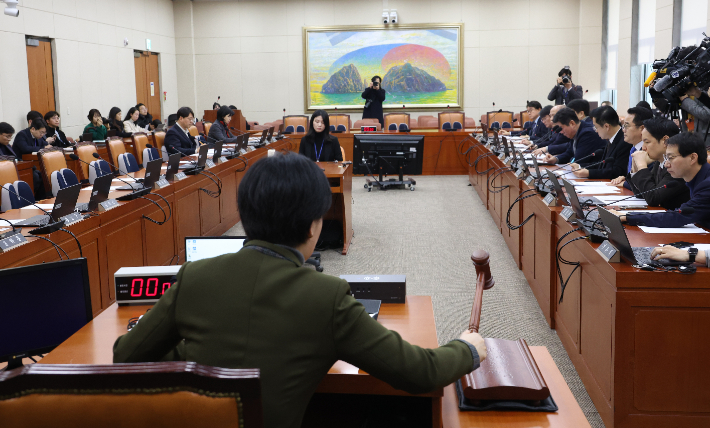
(203,247)
(42,306)
(372,146)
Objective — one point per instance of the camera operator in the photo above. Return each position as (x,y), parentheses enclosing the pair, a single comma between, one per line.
(565,90)
(698,107)
(374,95)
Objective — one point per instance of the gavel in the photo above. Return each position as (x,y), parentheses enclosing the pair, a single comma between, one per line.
(484,281)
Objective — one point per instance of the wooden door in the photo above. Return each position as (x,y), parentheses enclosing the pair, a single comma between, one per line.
(147,74)
(41,77)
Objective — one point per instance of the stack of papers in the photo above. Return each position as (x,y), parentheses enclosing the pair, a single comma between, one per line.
(46,207)
(688,228)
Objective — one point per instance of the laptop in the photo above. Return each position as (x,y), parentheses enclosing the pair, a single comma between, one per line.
(173,166)
(270,134)
(201,160)
(217,151)
(64,204)
(506,150)
(203,247)
(586,217)
(152,174)
(259,141)
(99,193)
(640,256)
(561,198)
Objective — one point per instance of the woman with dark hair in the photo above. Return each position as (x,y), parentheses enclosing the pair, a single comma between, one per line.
(96,128)
(318,144)
(144,118)
(130,125)
(115,119)
(216,106)
(55,136)
(220,129)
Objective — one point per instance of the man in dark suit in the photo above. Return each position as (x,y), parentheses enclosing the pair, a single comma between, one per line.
(291,322)
(31,140)
(650,166)
(537,129)
(581,107)
(6,133)
(685,158)
(178,138)
(585,140)
(565,90)
(606,123)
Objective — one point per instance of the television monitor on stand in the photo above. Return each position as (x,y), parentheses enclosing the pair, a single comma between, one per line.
(41,307)
(385,154)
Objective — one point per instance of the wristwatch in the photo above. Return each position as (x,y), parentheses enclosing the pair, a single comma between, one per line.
(692,252)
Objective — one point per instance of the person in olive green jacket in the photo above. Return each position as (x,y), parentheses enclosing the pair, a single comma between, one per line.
(260,308)
(96,128)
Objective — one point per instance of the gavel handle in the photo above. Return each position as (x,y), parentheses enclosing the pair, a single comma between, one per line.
(477,304)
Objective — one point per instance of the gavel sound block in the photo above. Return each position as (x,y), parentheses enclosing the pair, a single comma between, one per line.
(509,372)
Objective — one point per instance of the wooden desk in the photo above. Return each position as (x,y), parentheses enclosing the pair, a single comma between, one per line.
(340,178)
(617,322)
(413,320)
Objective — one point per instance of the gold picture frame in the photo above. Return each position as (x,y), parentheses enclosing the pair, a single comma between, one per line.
(414,60)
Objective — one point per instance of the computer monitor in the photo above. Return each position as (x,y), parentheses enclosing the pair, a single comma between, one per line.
(203,247)
(42,306)
(390,148)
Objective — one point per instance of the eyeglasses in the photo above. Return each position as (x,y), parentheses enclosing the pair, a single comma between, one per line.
(627,126)
(667,158)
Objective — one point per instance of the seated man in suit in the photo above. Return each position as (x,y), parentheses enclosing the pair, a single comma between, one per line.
(291,322)
(6,133)
(616,153)
(538,129)
(581,107)
(685,158)
(565,90)
(178,138)
(32,139)
(557,142)
(650,169)
(633,128)
(585,140)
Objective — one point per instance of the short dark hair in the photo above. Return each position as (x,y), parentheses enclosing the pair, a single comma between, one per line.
(185,112)
(215,105)
(376,77)
(130,112)
(38,123)
(565,116)
(565,70)
(605,114)
(326,121)
(92,113)
(660,126)
(643,104)
(641,114)
(32,115)
(545,111)
(156,122)
(233,107)
(6,128)
(281,196)
(579,105)
(689,143)
(50,114)
(138,106)
(224,111)
(534,104)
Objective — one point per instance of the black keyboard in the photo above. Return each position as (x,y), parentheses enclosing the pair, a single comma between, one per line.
(38,220)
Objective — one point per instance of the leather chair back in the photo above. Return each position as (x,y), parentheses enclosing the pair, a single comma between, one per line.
(193,131)
(8,170)
(140,139)
(51,159)
(524,117)
(159,138)
(85,152)
(296,123)
(502,119)
(144,395)
(115,148)
(339,122)
(452,120)
(397,122)
(207,126)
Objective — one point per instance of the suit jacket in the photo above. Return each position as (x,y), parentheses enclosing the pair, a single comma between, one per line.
(374,111)
(176,140)
(699,188)
(60,139)
(546,138)
(26,144)
(328,149)
(8,151)
(290,322)
(655,176)
(537,131)
(586,142)
(220,132)
(560,96)
(559,144)
(617,149)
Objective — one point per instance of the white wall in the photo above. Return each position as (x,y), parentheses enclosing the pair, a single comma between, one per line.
(250,52)
(92,68)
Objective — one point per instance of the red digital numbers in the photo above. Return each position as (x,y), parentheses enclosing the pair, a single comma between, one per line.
(166,285)
(150,293)
(151,289)
(137,281)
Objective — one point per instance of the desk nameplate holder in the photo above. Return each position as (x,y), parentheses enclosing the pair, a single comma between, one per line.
(550,200)
(501,156)
(161,183)
(568,214)
(12,241)
(529,180)
(72,218)
(222,159)
(108,204)
(209,163)
(519,172)
(609,252)
(180,176)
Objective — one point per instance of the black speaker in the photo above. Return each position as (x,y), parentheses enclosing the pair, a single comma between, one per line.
(387,288)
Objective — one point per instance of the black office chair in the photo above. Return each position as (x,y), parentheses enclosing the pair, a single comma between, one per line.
(315,261)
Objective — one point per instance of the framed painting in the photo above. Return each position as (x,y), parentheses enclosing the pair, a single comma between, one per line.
(421,66)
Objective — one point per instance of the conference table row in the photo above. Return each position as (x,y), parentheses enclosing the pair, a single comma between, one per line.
(638,339)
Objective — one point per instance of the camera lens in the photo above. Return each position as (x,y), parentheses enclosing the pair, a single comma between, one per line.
(565,80)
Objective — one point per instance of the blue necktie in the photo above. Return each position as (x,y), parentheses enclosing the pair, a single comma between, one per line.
(633,149)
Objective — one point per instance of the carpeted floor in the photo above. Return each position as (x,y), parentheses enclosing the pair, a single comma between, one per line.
(429,235)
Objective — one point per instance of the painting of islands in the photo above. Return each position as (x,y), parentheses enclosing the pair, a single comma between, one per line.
(420,66)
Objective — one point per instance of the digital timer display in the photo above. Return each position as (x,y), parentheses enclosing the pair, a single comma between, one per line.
(143,285)
(368,129)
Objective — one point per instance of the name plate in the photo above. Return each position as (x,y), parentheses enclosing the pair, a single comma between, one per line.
(108,204)
(222,159)
(209,163)
(550,200)
(508,160)
(72,218)
(529,180)
(488,145)
(180,176)
(161,183)
(568,214)
(609,252)
(501,156)
(519,172)
(11,242)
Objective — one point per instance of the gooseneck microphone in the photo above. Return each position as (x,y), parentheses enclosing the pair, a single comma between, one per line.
(669,185)
(136,193)
(609,159)
(96,155)
(598,152)
(42,230)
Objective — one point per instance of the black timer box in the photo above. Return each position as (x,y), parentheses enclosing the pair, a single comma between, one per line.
(387,288)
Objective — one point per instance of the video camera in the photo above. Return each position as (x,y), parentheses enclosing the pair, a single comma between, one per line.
(673,76)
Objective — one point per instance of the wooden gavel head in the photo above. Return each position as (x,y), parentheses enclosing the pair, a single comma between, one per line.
(480,262)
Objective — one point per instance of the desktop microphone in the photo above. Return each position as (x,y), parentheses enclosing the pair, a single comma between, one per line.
(593,154)
(42,230)
(669,185)
(609,159)
(239,131)
(12,232)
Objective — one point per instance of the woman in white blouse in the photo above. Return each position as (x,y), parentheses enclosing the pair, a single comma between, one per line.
(129,125)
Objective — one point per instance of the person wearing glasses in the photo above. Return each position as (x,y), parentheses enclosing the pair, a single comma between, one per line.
(606,122)
(633,128)
(686,158)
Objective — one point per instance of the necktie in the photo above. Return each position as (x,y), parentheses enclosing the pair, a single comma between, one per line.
(633,149)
